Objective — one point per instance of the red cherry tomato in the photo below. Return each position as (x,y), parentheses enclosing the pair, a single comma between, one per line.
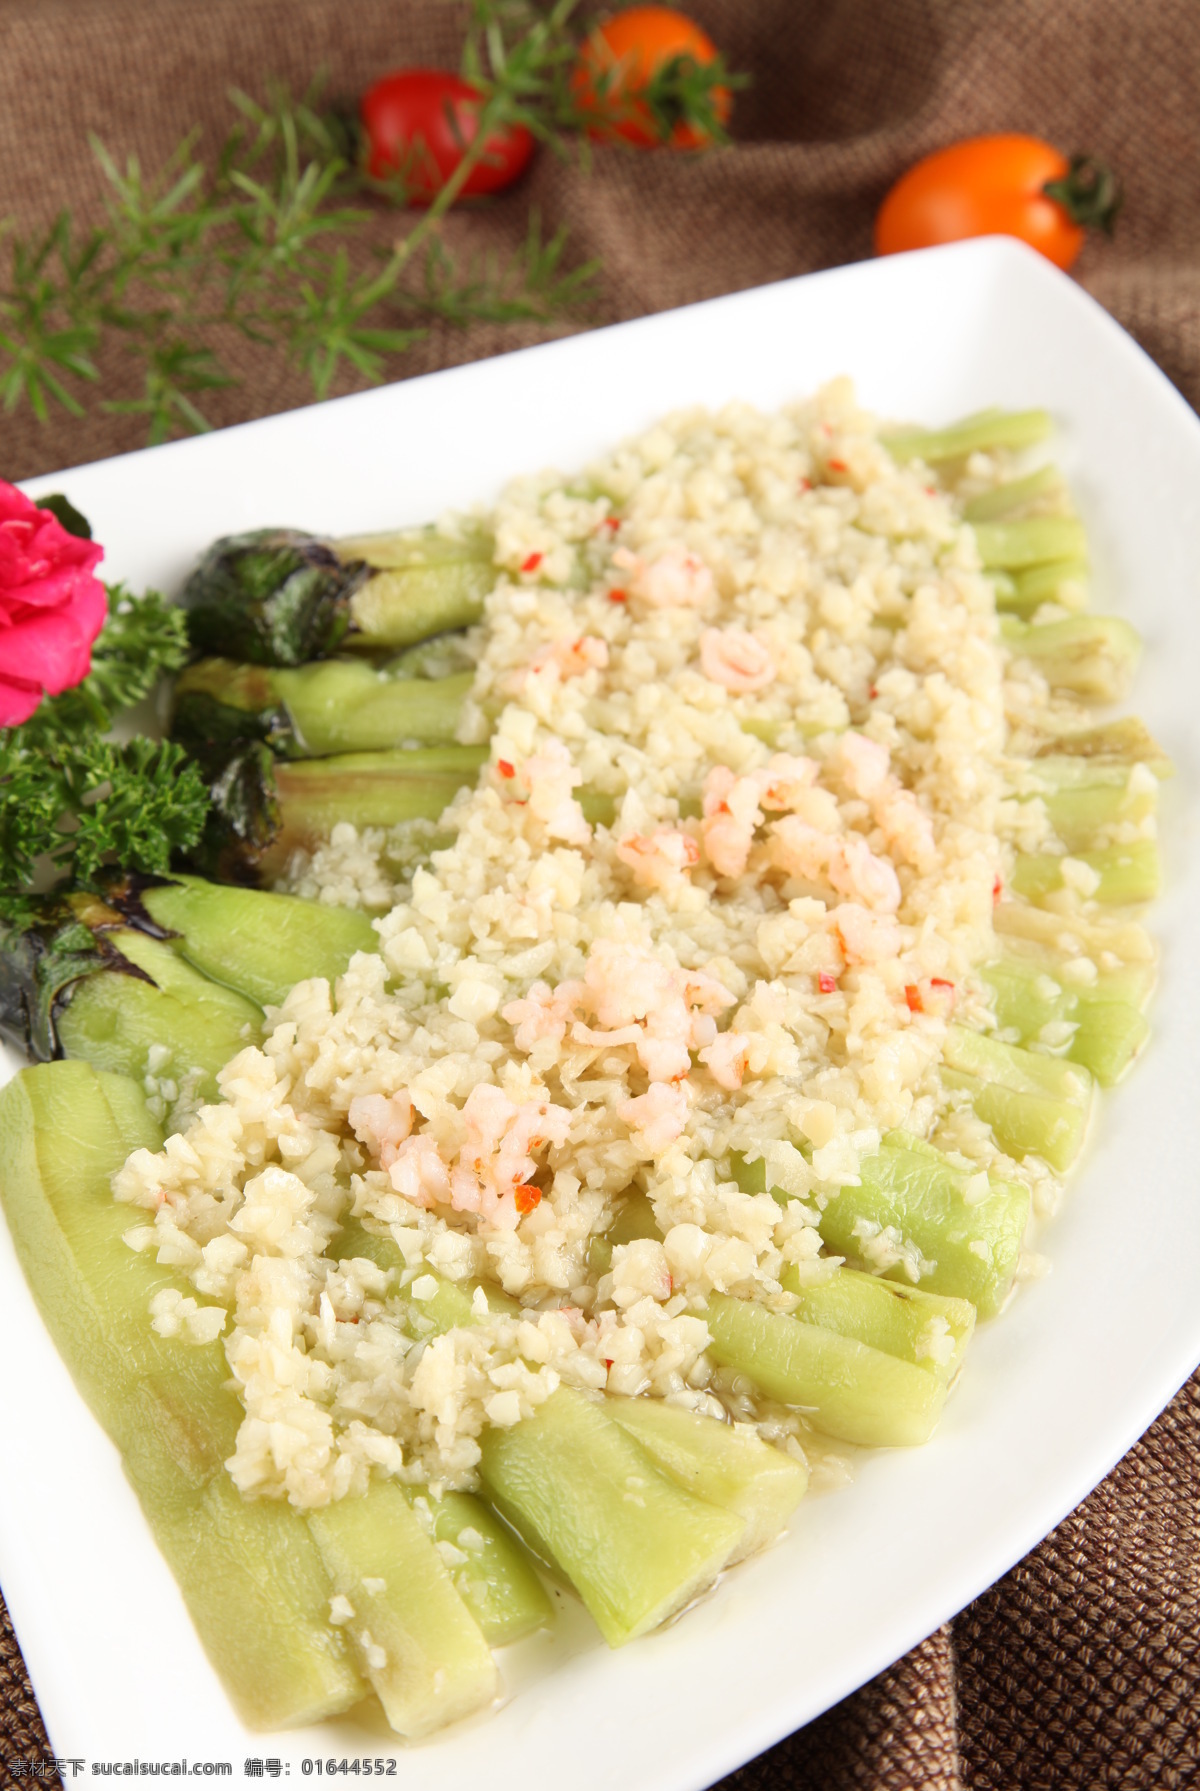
(419,123)
(642,77)
(1004,185)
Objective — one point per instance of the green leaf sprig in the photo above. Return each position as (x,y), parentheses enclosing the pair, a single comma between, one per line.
(530,285)
(72,801)
(259,240)
(686,92)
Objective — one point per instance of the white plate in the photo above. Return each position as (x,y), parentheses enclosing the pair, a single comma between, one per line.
(1053,1394)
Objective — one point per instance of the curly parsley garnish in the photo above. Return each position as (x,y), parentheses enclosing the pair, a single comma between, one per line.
(73,801)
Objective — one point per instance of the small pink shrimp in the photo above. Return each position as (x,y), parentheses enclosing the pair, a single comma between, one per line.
(550,776)
(865,765)
(383,1122)
(706,993)
(736,660)
(624,984)
(659,1115)
(663,1047)
(663,1012)
(630,988)
(534,1125)
(906,827)
(785,780)
(718,787)
(674,579)
(543,1013)
(845,862)
(419,1172)
(659,860)
(466,1189)
(680,1022)
(860,873)
(495,1159)
(731,813)
(570,658)
(510,1134)
(727,1058)
(790,783)
(865,938)
(727,844)
(487,1113)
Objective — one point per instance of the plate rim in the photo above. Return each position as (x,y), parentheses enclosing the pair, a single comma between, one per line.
(751,1736)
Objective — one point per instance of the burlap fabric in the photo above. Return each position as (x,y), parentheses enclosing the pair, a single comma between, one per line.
(1082,1667)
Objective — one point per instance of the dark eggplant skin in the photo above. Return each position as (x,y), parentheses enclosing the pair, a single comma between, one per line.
(330,706)
(244,818)
(218,707)
(211,731)
(271,597)
(41,963)
(123,892)
(264,809)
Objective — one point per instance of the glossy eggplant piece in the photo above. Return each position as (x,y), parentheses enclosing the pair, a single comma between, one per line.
(309,711)
(79,981)
(281,597)
(264,809)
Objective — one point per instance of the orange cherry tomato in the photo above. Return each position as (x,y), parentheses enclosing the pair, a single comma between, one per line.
(646,76)
(1004,185)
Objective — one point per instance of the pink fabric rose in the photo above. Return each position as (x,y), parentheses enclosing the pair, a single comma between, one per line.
(51,608)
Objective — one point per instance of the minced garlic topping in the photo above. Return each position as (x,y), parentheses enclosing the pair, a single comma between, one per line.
(772,651)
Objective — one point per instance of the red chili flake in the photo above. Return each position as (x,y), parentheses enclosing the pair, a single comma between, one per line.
(997,890)
(527,1197)
(608,1361)
(533,562)
(939,982)
(872,693)
(838,466)
(613,523)
(505,769)
(826,983)
(913,997)
(618,596)
(806,484)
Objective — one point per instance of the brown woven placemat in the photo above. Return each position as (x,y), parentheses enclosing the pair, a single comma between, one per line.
(1080,1669)
(845,94)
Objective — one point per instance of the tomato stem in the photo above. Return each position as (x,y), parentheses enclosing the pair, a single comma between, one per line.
(1089,193)
(685,92)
